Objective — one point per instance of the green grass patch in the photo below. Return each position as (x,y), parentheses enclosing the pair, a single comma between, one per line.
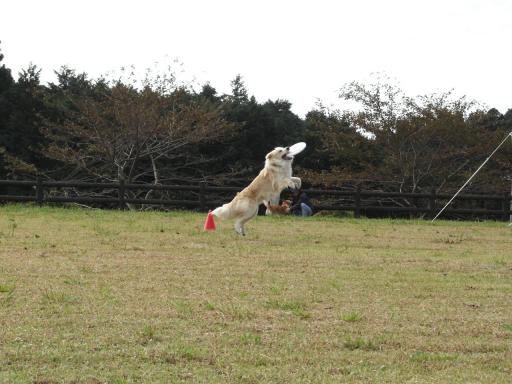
(351,317)
(421,357)
(4,288)
(297,308)
(360,343)
(57,297)
(250,339)
(149,333)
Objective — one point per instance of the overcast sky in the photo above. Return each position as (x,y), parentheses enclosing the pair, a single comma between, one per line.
(295,50)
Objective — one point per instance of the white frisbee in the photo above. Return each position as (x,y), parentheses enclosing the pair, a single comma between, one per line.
(297,148)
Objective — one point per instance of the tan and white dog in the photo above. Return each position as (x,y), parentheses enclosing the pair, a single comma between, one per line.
(275,176)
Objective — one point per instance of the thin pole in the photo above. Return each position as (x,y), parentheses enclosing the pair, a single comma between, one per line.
(473,175)
(510,203)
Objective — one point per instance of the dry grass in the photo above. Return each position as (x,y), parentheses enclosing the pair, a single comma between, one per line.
(122,297)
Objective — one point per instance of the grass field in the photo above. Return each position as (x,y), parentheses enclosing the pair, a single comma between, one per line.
(90,296)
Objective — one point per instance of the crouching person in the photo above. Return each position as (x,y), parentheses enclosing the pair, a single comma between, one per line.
(301,205)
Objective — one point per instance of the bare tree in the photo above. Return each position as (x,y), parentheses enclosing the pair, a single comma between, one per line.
(135,135)
(425,141)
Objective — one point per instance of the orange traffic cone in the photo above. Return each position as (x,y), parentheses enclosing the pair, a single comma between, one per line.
(209,224)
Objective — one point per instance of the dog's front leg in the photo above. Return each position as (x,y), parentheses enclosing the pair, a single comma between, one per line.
(297,182)
(286,183)
(292,182)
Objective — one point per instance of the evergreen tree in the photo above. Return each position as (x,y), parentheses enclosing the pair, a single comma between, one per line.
(6,83)
(21,112)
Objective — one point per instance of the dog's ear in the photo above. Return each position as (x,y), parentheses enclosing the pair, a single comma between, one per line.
(269,156)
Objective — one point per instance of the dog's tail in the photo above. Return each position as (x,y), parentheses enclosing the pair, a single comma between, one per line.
(223,212)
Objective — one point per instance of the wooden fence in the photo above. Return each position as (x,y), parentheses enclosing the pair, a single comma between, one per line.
(360,202)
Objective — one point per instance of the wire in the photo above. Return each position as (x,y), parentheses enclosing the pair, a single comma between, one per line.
(473,175)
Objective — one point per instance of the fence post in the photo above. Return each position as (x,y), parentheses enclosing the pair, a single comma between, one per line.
(505,205)
(432,203)
(39,190)
(357,210)
(120,193)
(202,196)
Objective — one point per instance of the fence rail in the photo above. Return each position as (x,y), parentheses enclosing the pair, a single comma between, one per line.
(358,201)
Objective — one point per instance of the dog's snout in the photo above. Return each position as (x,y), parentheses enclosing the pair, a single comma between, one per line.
(287,149)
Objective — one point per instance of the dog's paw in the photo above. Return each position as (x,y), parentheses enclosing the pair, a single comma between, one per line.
(297,182)
(291,184)
(239,230)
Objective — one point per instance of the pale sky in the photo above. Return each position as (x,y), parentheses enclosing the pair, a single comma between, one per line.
(295,50)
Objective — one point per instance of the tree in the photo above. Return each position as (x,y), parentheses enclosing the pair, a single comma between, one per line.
(337,150)
(239,92)
(261,127)
(6,82)
(208,92)
(424,142)
(119,132)
(22,109)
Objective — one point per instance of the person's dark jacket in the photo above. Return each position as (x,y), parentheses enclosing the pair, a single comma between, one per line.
(301,198)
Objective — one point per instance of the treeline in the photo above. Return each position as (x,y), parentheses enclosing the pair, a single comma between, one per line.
(157,130)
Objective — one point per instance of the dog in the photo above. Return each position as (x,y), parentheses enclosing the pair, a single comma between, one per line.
(282,209)
(275,176)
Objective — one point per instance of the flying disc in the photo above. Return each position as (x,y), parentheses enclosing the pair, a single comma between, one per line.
(297,148)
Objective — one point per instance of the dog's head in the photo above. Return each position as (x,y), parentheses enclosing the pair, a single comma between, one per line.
(286,206)
(283,208)
(279,156)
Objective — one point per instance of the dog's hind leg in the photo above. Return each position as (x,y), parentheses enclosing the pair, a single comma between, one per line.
(239,224)
(273,201)
(239,227)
